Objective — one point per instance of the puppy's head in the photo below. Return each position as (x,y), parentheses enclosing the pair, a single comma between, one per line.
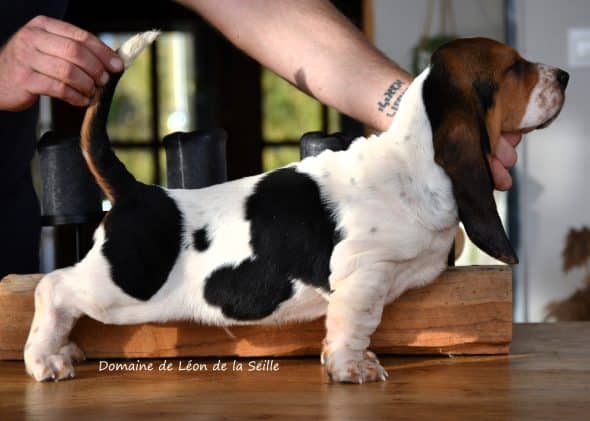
(476,90)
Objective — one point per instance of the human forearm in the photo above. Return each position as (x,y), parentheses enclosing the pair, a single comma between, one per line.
(309,43)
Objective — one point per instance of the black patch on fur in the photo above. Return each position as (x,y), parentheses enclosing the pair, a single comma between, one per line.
(143,235)
(201,240)
(519,67)
(292,234)
(486,91)
(484,141)
(435,91)
(440,96)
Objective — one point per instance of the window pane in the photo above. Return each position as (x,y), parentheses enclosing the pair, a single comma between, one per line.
(177,82)
(287,113)
(163,167)
(131,114)
(278,156)
(139,162)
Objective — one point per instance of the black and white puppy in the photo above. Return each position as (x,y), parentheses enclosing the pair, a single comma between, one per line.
(341,234)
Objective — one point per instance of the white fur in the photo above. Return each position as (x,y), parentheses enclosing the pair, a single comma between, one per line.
(545,100)
(135,45)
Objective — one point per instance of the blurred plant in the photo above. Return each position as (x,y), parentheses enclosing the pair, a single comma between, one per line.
(423,51)
(576,254)
(428,43)
(287,112)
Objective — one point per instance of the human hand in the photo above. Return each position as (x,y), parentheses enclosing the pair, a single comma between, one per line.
(504,159)
(51,57)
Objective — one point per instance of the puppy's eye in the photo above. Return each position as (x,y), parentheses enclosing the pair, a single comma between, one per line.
(518,67)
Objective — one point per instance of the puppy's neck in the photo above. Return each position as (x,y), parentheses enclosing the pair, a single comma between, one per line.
(410,135)
(409,141)
(411,128)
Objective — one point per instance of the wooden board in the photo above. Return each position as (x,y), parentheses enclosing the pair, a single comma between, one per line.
(468,310)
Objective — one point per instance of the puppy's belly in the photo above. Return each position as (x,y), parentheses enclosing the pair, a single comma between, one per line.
(306,303)
(216,293)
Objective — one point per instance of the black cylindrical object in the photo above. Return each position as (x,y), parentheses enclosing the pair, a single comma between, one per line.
(70,194)
(313,143)
(196,159)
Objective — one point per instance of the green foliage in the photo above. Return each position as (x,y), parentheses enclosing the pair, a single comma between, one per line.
(130,114)
(422,52)
(287,112)
(279,156)
(139,162)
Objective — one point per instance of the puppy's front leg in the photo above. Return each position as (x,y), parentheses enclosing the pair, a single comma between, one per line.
(49,355)
(354,312)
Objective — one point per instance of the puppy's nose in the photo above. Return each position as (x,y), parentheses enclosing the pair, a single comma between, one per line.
(562,78)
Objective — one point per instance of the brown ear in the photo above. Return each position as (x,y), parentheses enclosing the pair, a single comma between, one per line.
(459,94)
(461,144)
(458,102)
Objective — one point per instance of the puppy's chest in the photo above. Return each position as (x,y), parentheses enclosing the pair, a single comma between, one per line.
(399,204)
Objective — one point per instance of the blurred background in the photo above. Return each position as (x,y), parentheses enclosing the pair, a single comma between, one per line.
(193,79)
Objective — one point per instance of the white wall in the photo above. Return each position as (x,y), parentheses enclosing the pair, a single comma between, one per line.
(398,25)
(554,164)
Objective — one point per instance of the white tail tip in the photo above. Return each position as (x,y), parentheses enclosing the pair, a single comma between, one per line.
(135,45)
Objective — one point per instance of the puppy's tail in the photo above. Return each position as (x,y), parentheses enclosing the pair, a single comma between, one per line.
(110,173)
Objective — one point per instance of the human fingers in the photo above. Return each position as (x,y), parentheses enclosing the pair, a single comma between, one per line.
(501,177)
(71,51)
(40,84)
(109,59)
(64,71)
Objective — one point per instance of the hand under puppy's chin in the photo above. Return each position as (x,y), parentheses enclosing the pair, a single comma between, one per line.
(501,177)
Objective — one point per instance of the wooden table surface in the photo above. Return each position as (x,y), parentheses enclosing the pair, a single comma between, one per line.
(547,376)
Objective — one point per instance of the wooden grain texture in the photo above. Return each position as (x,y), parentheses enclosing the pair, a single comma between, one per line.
(467,311)
(546,377)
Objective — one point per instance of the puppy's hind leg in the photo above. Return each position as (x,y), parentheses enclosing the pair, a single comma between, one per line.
(354,312)
(49,355)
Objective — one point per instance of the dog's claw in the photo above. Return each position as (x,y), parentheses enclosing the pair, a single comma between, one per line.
(362,371)
(53,367)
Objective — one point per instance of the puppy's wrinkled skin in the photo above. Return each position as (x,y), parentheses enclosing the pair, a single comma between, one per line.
(340,234)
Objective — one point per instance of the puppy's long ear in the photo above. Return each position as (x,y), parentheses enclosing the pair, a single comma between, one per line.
(461,144)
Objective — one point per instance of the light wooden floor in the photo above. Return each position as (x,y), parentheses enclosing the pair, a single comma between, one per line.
(546,377)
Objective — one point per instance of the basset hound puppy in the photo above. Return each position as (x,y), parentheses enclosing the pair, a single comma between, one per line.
(340,234)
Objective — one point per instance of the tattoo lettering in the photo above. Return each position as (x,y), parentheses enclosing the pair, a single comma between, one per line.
(395,105)
(385,105)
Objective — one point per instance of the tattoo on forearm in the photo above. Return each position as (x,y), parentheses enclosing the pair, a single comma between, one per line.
(385,105)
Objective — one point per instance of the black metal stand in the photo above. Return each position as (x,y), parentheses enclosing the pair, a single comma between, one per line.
(196,159)
(70,196)
(314,143)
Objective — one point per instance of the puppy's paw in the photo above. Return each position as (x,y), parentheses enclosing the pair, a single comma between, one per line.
(56,367)
(343,367)
(72,351)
